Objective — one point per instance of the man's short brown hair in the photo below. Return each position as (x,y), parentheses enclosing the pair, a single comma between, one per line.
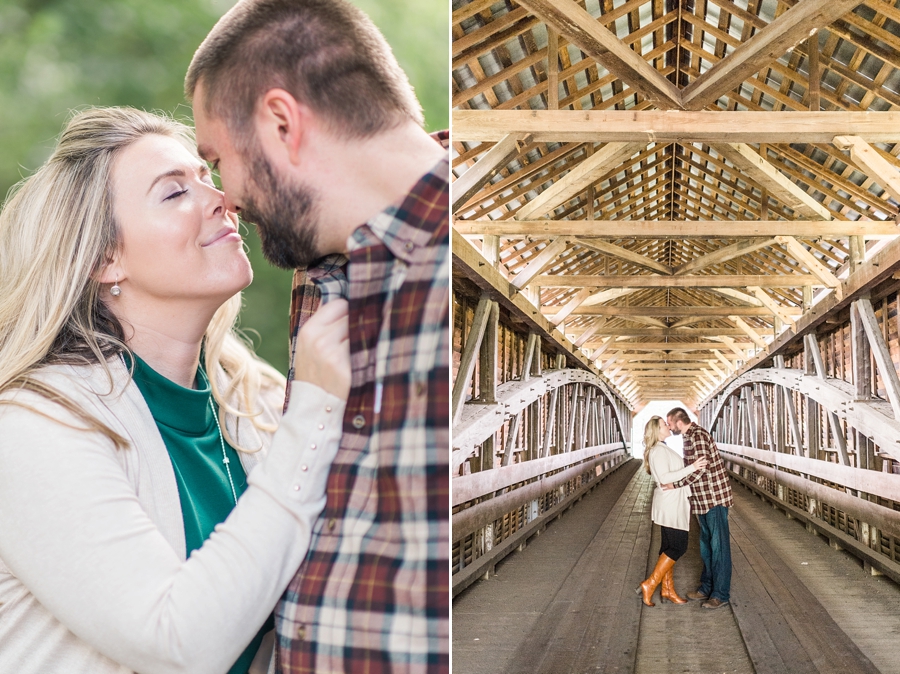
(679,414)
(326,53)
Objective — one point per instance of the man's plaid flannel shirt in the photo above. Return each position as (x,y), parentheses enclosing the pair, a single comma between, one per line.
(373,593)
(709,487)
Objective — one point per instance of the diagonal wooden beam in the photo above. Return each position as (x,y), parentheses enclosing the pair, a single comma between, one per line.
(771,304)
(602,349)
(540,262)
(751,333)
(808,260)
(584,31)
(585,173)
(779,185)
(624,254)
(731,344)
(728,365)
(571,306)
(590,332)
(871,163)
(603,295)
(468,357)
(724,254)
(468,184)
(785,32)
(738,295)
(688,320)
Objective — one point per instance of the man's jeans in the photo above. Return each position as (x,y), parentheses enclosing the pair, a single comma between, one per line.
(715,551)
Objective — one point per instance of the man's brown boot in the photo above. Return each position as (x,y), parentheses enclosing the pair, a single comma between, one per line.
(697,595)
(668,588)
(648,587)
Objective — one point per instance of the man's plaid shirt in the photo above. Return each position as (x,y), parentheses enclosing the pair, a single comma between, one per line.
(373,593)
(709,487)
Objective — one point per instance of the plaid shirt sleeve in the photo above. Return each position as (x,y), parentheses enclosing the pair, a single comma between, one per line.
(709,487)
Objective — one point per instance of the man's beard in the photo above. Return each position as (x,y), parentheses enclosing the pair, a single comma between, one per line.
(285,216)
(676,431)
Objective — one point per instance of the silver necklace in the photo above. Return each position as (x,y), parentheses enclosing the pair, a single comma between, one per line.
(225,460)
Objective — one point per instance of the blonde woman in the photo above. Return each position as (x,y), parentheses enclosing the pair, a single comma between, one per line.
(132,417)
(671,509)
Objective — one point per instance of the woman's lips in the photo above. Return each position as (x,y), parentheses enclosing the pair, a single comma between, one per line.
(223,235)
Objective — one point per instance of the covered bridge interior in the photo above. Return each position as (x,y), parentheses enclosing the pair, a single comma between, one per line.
(675,200)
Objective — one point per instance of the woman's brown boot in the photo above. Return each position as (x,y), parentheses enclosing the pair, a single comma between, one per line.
(668,588)
(648,587)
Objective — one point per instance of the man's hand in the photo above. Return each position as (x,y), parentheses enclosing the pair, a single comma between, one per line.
(323,350)
(667,487)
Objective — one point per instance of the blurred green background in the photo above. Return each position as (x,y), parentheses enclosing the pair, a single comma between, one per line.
(61,55)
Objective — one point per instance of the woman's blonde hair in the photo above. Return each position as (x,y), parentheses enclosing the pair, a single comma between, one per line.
(652,433)
(57,231)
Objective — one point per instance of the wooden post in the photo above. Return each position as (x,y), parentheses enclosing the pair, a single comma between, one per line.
(552,69)
(511,438)
(551,422)
(861,356)
(883,360)
(467,360)
(487,365)
(857,252)
(530,347)
(812,348)
(812,49)
(767,418)
(490,248)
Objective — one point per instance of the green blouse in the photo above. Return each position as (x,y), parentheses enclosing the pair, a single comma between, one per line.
(187,423)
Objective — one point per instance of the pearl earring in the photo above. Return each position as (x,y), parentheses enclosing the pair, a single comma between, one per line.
(115,291)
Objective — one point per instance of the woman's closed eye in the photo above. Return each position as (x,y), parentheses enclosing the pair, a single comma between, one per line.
(175,195)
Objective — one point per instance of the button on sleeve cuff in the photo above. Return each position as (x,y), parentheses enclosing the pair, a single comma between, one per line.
(296,468)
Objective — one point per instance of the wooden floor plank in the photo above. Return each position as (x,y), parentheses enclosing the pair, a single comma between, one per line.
(789,607)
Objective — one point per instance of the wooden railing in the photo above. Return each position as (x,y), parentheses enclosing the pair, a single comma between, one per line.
(499,509)
(857,510)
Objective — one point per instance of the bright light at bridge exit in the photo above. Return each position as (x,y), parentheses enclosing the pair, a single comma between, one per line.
(655,408)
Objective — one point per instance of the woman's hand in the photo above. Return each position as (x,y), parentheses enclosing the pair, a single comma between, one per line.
(323,349)
(700,463)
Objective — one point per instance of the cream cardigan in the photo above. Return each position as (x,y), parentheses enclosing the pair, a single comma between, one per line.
(93,577)
(671,508)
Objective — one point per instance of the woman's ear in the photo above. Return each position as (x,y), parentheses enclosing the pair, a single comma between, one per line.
(110,272)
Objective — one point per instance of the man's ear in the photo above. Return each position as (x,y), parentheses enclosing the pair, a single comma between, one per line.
(282,124)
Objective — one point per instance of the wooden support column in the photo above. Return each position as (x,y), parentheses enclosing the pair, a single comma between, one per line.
(490,248)
(531,346)
(487,366)
(763,401)
(815,76)
(552,69)
(812,346)
(573,416)
(551,423)
(514,423)
(879,348)
(857,252)
(861,356)
(467,360)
